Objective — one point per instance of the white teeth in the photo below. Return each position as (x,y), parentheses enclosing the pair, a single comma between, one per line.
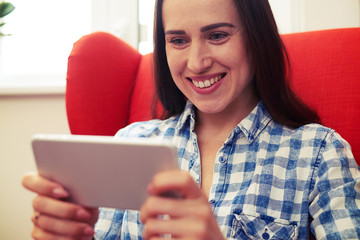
(206,83)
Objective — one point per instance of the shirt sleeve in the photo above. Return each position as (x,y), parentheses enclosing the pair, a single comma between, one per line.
(335,195)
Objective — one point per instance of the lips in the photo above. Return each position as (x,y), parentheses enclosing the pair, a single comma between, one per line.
(206,81)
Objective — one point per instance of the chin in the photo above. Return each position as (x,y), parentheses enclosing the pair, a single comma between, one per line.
(210,109)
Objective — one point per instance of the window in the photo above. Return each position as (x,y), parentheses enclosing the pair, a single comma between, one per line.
(42,34)
(34,58)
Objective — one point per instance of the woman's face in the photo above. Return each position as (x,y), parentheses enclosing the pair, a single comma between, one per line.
(206,53)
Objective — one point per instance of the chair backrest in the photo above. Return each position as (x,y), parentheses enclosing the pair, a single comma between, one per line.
(109,84)
(326,75)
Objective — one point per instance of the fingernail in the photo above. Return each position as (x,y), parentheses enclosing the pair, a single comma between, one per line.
(60,193)
(89,231)
(81,214)
(150,188)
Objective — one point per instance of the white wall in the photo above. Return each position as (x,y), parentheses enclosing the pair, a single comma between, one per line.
(119,17)
(284,15)
(21,117)
(334,14)
(308,15)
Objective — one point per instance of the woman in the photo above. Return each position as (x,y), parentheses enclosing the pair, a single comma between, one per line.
(256,163)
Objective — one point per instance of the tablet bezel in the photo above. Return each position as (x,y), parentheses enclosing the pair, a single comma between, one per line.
(102,171)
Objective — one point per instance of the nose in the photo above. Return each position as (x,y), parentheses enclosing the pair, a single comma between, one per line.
(199,58)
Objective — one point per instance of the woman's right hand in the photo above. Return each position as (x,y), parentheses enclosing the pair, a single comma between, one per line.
(55,218)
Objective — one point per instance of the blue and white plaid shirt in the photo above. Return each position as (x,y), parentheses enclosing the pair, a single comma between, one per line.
(269,182)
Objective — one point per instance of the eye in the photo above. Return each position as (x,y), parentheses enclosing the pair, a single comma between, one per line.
(218,36)
(178,41)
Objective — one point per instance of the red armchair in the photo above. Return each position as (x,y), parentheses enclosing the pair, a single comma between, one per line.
(109,84)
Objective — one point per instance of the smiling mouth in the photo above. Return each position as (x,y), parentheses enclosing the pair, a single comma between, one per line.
(209,82)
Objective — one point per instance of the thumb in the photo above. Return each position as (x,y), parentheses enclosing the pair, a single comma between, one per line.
(175,183)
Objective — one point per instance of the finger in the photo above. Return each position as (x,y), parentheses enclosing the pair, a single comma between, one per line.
(161,237)
(62,227)
(40,234)
(176,228)
(94,212)
(175,208)
(62,209)
(38,184)
(175,181)
(155,206)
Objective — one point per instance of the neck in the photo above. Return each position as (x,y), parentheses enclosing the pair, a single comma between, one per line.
(221,124)
(230,116)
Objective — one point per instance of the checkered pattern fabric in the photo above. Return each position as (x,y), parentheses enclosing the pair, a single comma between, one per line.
(269,182)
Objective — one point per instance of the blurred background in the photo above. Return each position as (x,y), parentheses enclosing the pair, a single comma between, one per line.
(33,62)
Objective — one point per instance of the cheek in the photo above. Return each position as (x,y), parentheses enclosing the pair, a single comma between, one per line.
(174,63)
(239,62)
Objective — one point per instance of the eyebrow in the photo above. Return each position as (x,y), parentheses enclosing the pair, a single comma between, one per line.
(203,29)
(175,32)
(216,25)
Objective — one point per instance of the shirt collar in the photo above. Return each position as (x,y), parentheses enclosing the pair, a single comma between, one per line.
(255,122)
(187,117)
(251,126)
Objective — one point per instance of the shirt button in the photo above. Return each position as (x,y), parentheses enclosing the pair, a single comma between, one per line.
(212,201)
(222,160)
(265,235)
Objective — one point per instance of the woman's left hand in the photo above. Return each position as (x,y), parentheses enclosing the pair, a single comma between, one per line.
(187,217)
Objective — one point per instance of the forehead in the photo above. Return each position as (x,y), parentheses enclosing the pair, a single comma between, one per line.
(179,14)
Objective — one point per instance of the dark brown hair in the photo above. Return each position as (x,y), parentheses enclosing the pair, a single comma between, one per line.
(270,62)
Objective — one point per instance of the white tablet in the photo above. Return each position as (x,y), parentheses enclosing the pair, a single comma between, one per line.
(100,171)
